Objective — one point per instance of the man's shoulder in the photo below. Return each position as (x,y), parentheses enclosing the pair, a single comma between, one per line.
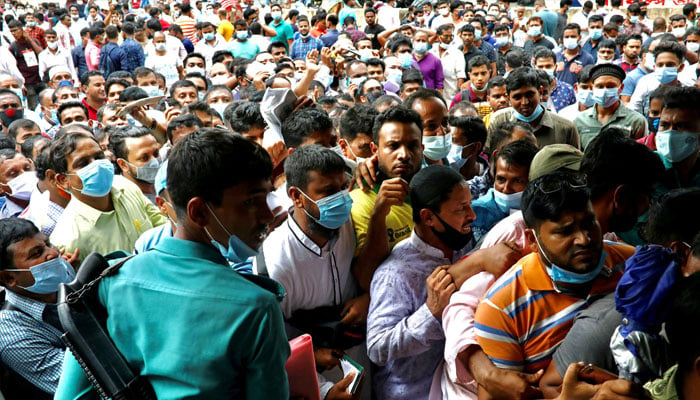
(560,121)
(617,252)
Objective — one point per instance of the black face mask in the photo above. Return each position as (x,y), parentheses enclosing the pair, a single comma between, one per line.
(451,237)
(11,115)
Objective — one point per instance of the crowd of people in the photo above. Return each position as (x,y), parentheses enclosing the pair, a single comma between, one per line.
(464,199)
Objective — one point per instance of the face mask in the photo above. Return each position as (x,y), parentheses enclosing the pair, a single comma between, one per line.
(148,171)
(666,74)
(237,250)
(241,35)
(200,96)
(437,147)
(451,237)
(585,97)
(74,17)
(394,75)
(420,47)
(490,26)
(477,34)
(161,46)
(357,81)
(596,33)
(334,210)
(693,47)
(678,32)
(507,201)
(132,121)
(366,54)
(219,80)
(605,97)
(195,69)
(653,123)
(52,45)
(22,185)
(549,71)
(634,19)
(559,274)
(570,43)
(97,178)
(209,36)
(11,115)
(535,114)
(48,275)
(649,62)
(31,24)
(534,31)
(406,60)
(20,13)
(152,91)
(54,117)
(444,46)
(444,12)
(603,61)
(676,146)
(276,15)
(502,41)
(304,36)
(219,107)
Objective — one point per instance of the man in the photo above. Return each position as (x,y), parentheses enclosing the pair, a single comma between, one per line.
(111,55)
(311,238)
(466,34)
(498,97)
(243,46)
(595,35)
(33,30)
(584,98)
(45,209)
(78,53)
(210,43)
(573,58)
(217,216)
(428,63)
(21,130)
(452,60)
(432,109)
(11,108)
(285,33)
(608,109)
(25,50)
(134,56)
(136,152)
(535,37)
(47,109)
(356,127)
(481,31)
(549,18)
(373,29)
(631,46)
(17,182)
(77,24)
(93,85)
(72,111)
(668,60)
(331,36)
(504,44)
(55,55)
(92,49)
(305,43)
(524,93)
(380,214)
(350,27)
(512,165)
(105,214)
(30,343)
(567,265)
(562,93)
(632,25)
(479,72)
(65,39)
(184,92)
(186,22)
(468,139)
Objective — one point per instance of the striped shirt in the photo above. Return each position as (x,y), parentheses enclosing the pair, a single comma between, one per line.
(522,318)
(187,25)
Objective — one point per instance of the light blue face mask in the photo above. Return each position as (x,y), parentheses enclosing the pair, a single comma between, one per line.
(334,210)
(148,171)
(420,47)
(152,91)
(596,33)
(406,60)
(676,146)
(507,201)
(559,274)
(585,97)
(237,251)
(666,74)
(535,114)
(477,34)
(219,107)
(48,275)
(437,147)
(54,117)
(209,36)
(605,97)
(97,178)
(455,156)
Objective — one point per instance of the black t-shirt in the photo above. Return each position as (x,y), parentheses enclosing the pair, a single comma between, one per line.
(530,45)
(372,33)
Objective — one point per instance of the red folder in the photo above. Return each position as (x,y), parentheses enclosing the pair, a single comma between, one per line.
(301,369)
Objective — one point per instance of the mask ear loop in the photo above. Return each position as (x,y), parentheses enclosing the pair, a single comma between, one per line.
(218,222)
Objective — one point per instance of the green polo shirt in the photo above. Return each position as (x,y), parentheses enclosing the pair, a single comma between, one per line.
(630,121)
(550,130)
(284,33)
(192,326)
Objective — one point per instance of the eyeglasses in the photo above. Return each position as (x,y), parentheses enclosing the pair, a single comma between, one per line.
(575,182)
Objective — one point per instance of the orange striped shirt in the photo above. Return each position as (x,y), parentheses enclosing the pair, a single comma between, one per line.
(522,318)
(187,25)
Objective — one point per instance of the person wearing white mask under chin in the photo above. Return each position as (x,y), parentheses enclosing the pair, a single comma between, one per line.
(17,182)
(511,178)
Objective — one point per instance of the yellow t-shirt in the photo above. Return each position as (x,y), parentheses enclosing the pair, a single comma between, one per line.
(225,29)
(399,222)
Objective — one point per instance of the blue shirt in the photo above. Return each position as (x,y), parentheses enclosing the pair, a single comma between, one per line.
(78,54)
(152,237)
(567,70)
(488,50)
(330,37)
(301,47)
(404,339)
(247,49)
(133,55)
(589,48)
(115,54)
(192,326)
(631,80)
(562,95)
(488,213)
(187,44)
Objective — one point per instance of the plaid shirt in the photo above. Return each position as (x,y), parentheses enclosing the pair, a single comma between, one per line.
(36,33)
(301,47)
(620,62)
(30,346)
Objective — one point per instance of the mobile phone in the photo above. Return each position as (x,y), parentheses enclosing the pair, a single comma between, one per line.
(595,375)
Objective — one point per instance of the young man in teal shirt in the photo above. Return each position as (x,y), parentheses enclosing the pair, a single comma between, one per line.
(285,33)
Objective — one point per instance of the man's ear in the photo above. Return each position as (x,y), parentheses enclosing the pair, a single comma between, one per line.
(295,195)
(680,67)
(122,165)
(344,147)
(373,148)
(7,279)
(428,217)
(198,212)
(531,240)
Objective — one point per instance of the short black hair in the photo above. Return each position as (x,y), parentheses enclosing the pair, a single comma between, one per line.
(29,144)
(85,77)
(496,81)
(41,164)
(400,114)
(63,146)
(411,75)
(21,123)
(516,58)
(431,187)
(182,120)
(478,61)
(423,94)
(301,124)
(520,152)
(357,120)
(246,116)
(7,142)
(210,160)
(70,104)
(543,52)
(311,158)
(132,93)
(13,230)
(539,205)
(115,81)
(682,323)
(522,77)
(179,84)
(117,140)
(584,75)
(683,98)
(673,217)
(472,127)
(634,164)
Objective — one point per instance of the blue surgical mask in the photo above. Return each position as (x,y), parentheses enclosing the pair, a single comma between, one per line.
(241,35)
(507,201)
(48,275)
(634,19)
(420,47)
(437,147)
(220,108)
(148,171)
(559,274)
(200,95)
(334,210)
(477,34)
(54,117)
(534,31)
(455,156)
(97,178)
(152,91)
(606,97)
(585,97)
(570,43)
(395,76)
(666,74)
(209,36)
(595,33)
(535,114)
(406,60)
(237,251)
(502,41)
(676,146)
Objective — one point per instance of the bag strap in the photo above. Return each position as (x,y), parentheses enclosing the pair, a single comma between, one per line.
(87,288)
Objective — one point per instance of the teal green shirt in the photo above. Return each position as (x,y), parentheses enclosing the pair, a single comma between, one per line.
(194,327)
(284,33)
(246,49)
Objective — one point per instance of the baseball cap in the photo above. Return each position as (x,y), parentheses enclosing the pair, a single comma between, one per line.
(553,157)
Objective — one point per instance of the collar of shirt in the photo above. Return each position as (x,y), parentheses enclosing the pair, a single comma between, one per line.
(32,307)
(306,241)
(620,112)
(433,252)
(547,119)
(89,214)
(190,249)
